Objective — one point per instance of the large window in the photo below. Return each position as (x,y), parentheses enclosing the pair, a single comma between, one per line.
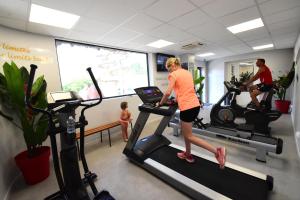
(117,72)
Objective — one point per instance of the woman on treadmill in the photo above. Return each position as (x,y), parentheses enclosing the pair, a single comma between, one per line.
(181,81)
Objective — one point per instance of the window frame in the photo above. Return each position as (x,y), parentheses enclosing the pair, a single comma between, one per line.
(105,47)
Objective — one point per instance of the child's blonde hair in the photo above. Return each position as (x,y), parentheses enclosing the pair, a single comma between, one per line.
(124,105)
(171,61)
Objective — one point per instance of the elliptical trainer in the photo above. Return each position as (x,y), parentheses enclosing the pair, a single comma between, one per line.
(71,186)
(224,115)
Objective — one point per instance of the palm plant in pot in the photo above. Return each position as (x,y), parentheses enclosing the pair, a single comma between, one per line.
(34,162)
(198,83)
(281,85)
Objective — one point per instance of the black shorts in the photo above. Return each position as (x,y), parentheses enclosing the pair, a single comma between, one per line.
(190,114)
(264,88)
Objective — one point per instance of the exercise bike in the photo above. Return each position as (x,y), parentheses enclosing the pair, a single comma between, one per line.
(265,102)
(225,115)
(62,105)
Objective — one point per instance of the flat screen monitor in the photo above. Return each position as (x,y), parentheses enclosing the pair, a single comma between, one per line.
(161,60)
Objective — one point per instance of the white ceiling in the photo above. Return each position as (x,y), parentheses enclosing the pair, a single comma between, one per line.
(131,24)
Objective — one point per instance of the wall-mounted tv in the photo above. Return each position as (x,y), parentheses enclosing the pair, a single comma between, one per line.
(161,60)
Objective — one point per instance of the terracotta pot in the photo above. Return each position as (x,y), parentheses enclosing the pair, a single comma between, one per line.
(282,106)
(35,169)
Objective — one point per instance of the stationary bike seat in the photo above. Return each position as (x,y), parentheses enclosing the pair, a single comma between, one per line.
(273,115)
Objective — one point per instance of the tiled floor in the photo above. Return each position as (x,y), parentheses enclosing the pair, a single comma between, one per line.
(126,181)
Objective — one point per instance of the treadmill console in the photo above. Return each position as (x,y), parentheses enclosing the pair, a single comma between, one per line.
(149,95)
(152,95)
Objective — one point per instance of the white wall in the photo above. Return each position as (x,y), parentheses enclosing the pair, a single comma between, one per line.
(41,47)
(296,98)
(24,49)
(277,60)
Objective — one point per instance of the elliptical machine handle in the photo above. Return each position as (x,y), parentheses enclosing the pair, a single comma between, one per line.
(95,83)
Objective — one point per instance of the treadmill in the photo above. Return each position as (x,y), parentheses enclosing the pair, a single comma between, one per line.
(201,180)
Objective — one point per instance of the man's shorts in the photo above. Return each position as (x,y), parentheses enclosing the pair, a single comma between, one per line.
(264,87)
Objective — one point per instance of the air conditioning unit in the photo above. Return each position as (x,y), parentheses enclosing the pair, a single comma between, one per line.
(192,45)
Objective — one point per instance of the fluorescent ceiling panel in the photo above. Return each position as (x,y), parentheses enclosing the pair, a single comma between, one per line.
(206,54)
(51,17)
(245,26)
(263,46)
(266,46)
(160,44)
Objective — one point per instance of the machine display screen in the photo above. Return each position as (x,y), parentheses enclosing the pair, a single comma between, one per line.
(148,91)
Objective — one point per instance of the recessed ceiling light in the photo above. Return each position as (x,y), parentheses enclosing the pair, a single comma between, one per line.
(245,63)
(206,54)
(160,44)
(245,26)
(51,17)
(263,46)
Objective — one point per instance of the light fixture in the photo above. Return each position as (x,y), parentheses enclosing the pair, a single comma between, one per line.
(160,44)
(263,46)
(51,17)
(245,63)
(245,26)
(206,54)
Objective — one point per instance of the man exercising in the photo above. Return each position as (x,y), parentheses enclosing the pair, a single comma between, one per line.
(265,76)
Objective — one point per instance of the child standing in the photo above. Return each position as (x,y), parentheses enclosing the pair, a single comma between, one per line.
(124,120)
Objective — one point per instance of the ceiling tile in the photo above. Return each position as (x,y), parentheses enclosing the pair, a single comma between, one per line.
(139,4)
(240,17)
(142,23)
(92,26)
(78,7)
(111,12)
(212,31)
(285,26)
(189,20)
(178,36)
(119,35)
(217,8)
(201,2)
(238,49)
(293,13)
(46,30)
(13,23)
(169,9)
(286,39)
(232,42)
(14,9)
(163,31)
(83,36)
(254,34)
(274,6)
(142,40)
(261,1)
(262,41)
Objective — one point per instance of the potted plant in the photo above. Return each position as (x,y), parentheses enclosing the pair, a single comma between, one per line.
(245,76)
(281,85)
(198,83)
(34,162)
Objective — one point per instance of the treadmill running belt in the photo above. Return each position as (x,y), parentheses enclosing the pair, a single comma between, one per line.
(231,183)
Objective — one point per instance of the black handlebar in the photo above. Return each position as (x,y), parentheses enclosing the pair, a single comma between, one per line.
(28,91)
(95,83)
(232,88)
